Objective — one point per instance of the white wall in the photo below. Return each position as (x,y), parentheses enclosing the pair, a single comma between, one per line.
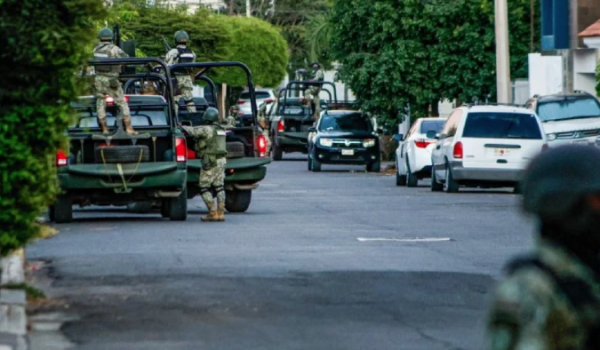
(545,74)
(584,67)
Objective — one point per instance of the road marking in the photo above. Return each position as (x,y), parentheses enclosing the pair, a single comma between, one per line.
(411,240)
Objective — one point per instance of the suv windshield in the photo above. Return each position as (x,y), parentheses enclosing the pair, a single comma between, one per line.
(502,126)
(345,122)
(432,125)
(569,108)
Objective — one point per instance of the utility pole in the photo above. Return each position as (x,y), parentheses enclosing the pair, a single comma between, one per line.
(502,53)
(248,9)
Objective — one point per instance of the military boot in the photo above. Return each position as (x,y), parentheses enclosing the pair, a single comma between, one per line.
(221,213)
(211,217)
(127,125)
(103,126)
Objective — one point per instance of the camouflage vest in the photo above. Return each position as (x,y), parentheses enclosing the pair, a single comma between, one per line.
(104,50)
(577,291)
(185,55)
(212,149)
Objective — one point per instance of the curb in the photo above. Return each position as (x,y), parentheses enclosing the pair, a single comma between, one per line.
(13,318)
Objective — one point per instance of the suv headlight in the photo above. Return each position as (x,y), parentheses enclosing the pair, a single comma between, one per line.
(326,142)
(551,137)
(369,143)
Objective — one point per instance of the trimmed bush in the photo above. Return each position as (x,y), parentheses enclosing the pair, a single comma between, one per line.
(44,43)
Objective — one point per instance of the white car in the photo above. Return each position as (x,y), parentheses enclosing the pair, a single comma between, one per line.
(485,146)
(261,95)
(568,119)
(413,155)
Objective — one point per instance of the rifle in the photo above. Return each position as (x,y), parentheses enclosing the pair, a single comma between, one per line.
(167,46)
(117,35)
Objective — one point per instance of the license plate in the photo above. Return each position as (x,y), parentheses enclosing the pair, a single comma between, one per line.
(581,142)
(347,152)
(501,152)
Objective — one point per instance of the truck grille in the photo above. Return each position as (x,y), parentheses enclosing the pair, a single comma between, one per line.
(578,134)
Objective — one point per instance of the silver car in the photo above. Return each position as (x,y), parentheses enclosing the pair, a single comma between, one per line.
(261,96)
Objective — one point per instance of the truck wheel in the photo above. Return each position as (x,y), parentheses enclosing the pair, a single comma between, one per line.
(62,210)
(277,152)
(164,208)
(178,207)
(122,154)
(238,201)
(235,150)
(374,167)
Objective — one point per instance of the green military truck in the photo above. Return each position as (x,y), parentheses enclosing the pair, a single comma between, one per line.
(247,154)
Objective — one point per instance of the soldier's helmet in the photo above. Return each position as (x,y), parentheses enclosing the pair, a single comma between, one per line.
(211,115)
(105,34)
(558,180)
(316,65)
(181,37)
(234,108)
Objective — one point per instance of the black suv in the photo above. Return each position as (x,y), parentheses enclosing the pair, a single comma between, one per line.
(344,137)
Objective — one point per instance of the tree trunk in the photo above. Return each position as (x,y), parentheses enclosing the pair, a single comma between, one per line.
(435,108)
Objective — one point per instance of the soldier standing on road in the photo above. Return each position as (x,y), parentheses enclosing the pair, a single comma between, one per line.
(264,123)
(183,54)
(106,81)
(313,92)
(551,300)
(211,149)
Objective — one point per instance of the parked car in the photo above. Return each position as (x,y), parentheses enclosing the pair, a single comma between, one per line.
(344,137)
(413,155)
(568,119)
(261,95)
(485,146)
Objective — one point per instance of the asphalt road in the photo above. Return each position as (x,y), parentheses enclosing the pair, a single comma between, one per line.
(294,272)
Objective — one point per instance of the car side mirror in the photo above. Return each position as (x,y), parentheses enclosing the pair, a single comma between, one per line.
(398,137)
(431,134)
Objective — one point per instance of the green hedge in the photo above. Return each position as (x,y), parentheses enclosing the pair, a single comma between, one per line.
(43,45)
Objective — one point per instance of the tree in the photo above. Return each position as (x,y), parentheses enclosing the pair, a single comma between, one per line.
(44,44)
(418,52)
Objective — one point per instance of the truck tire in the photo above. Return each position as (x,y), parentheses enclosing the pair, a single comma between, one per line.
(178,207)
(122,154)
(238,201)
(315,165)
(277,152)
(62,211)
(235,150)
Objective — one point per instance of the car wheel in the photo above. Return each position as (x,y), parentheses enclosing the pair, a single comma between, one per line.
(178,207)
(435,185)
(374,167)
(316,165)
(238,201)
(411,179)
(400,179)
(450,186)
(62,210)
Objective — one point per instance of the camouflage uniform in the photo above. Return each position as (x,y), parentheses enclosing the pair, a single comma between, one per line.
(314,91)
(184,81)
(263,122)
(531,312)
(212,175)
(106,83)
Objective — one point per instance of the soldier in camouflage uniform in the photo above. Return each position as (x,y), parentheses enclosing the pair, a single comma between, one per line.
(264,123)
(106,81)
(551,299)
(183,54)
(234,117)
(313,92)
(211,149)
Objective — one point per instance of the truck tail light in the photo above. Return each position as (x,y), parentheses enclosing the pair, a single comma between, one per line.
(180,149)
(61,158)
(261,144)
(458,150)
(281,125)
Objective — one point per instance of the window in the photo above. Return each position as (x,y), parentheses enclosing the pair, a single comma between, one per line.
(449,129)
(568,108)
(345,122)
(257,94)
(502,126)
(432,125)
